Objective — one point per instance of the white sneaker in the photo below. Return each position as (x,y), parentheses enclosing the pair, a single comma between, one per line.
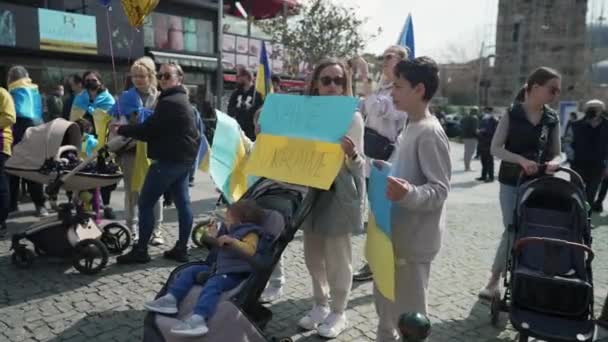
(194,326)
(333,325)
(316,316)
(157,238)
(489,292)
(271,294)
(166,304)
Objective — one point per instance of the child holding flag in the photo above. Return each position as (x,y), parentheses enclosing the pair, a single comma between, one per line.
(418,188)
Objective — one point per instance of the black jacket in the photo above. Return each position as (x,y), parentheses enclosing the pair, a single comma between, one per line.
(590,144)
(242,106)
(469,125)
(171,131)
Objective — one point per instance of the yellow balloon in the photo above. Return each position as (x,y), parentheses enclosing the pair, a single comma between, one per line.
(137,10)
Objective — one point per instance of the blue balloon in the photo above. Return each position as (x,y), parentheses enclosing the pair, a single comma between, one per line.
(105,2)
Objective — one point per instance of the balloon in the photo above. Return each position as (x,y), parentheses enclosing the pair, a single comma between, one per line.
(105,2)
(137,10)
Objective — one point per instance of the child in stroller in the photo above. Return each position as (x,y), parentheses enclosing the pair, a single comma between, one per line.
(240,233)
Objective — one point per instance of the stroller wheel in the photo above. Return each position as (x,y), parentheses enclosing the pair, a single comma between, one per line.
(116,237)
(90,256)
(199,231)
(23,257)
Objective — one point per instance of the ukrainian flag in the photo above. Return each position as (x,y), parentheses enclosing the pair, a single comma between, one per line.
(98,109)
(263,83)
(228,158)
(378,247)
(28,102)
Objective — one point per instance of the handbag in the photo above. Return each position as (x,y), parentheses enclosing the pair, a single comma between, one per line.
(377,146)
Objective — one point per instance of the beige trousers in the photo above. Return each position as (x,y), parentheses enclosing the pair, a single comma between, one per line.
(329,262)
(411,285)
(127,163)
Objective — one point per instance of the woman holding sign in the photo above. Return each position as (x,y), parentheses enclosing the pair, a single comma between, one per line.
(335,215)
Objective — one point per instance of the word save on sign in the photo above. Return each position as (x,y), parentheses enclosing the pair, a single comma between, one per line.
(300,136)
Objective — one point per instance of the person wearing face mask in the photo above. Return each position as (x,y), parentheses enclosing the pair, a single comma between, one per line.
(244,102)
(94,104)
(588,147)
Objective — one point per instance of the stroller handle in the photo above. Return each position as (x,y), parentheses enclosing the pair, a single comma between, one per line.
(521,243)
(542,169)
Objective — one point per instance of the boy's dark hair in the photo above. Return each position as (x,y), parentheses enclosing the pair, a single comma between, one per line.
(420,70)
(247,211)
(275,78)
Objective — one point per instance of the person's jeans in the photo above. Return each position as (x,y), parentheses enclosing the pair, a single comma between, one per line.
(4,191)
(165,176)
(213,289)
(470,145)
(508,199)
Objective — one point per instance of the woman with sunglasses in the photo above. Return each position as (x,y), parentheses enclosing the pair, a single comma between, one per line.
(335,215)
(173,141)
(527,136)
(383,121)
(134,105)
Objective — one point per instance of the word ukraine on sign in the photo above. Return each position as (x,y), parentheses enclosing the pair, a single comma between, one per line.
(378,246)
(299,142)
(227,158)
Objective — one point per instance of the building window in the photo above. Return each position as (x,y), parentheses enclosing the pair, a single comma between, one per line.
(182,34)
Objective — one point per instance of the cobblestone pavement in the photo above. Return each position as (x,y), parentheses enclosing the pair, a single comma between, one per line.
(52,302)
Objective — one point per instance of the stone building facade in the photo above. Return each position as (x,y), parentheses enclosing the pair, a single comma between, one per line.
(533,33)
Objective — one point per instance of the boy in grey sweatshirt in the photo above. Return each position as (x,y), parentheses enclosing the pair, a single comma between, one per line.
(419,185)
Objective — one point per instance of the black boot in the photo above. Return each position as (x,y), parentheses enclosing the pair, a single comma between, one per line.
(135,256)
(177,253)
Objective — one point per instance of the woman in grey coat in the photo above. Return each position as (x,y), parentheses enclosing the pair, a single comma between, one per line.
(336,213)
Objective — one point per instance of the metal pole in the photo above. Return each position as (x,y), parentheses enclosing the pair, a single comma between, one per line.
(219,82)
(479,74)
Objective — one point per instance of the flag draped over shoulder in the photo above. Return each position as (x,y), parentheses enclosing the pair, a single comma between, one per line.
(98,109)
(129,103)
(263,82)
(27,99)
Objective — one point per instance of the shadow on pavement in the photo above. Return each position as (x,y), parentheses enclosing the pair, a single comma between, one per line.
(105,326)
(478,319)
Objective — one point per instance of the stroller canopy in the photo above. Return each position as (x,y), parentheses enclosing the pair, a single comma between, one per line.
(43,142)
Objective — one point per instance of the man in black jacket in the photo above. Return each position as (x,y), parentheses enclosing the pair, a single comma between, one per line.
(173,141)
(244,102)
(486,131)
(588,146)
(469,125)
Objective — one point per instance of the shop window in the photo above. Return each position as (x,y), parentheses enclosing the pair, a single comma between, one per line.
(182,34)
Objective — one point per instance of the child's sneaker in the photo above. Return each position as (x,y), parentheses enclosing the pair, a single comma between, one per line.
(166,304)
(316,316)
(333,325)
(192,327)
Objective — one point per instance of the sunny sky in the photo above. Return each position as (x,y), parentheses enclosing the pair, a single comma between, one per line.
(444,29)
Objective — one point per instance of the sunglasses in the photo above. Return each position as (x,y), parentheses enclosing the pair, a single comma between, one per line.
(165,76)
(339,81)
(386,57)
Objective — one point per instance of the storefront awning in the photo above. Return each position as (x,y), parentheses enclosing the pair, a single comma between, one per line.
(262,9)
(185,60)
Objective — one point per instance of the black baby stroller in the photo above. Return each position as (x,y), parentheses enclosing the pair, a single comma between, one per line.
(287,206)
(49,154)
(549,287)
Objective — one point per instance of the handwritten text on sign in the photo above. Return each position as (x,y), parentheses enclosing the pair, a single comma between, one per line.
(324,118)
(296,161)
